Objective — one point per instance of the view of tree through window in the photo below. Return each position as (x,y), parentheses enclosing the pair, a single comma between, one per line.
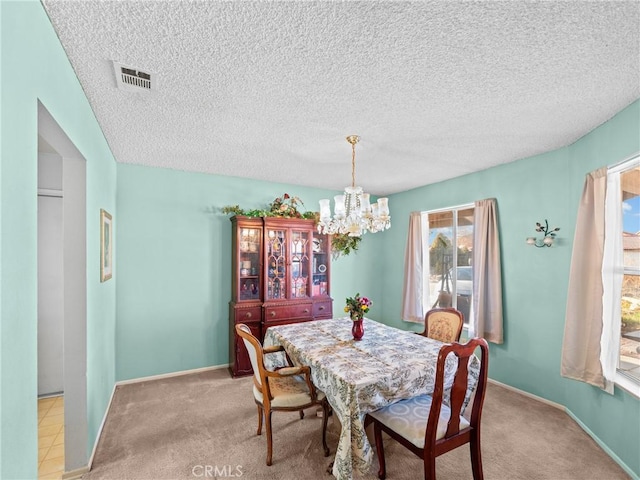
(449,241)
(630,328)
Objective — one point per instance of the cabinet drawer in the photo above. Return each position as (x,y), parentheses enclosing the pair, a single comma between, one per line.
(252,314)
(286,312)
(323,309)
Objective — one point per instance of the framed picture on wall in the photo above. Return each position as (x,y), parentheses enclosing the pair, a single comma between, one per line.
(106,245)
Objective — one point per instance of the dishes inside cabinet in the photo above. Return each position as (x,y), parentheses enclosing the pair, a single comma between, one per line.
(317,245)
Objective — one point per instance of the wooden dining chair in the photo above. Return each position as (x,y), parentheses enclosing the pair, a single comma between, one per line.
(429,426)
(285,389)
(443,324)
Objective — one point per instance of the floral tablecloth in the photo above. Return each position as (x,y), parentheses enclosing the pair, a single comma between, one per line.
(358,377)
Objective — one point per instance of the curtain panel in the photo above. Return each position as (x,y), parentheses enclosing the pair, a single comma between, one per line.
(581,347)
(412,309)
(592,327)
(487,278)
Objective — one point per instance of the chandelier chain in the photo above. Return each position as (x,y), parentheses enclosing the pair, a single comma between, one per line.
(353,165)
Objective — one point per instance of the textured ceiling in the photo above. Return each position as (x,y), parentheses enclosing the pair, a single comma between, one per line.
(270,90)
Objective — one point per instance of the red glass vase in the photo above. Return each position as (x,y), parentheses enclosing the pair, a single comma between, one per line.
(357,330)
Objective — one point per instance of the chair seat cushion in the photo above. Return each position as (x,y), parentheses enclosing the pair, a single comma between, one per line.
(409,418)
(288,392)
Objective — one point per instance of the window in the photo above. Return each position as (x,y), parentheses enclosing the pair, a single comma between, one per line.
(629,356)
(447,236)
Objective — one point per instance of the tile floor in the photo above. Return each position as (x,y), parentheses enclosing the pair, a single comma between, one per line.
(50,438)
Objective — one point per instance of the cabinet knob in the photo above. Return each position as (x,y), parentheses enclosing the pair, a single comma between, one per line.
(247,315)
(306,310)
(321,308)
(273,313)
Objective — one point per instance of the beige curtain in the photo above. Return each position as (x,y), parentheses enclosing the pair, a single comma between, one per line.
(487,279)
(583,322)
(412,310)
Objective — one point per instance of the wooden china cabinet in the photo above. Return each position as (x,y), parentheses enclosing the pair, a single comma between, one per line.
(280,275)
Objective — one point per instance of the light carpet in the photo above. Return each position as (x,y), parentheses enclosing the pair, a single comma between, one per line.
(204,426)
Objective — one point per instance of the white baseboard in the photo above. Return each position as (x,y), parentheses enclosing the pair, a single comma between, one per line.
(603,446)
(172,374)
(586,429)
(75,474)
(104,419)
(527,394)
(128,382)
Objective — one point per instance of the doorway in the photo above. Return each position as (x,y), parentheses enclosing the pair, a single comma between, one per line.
(62,297)
(50,313)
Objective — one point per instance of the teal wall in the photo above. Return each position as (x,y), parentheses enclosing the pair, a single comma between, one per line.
(174,266)
(535,280)
(34,67)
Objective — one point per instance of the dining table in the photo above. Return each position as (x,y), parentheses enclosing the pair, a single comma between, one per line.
(387,365)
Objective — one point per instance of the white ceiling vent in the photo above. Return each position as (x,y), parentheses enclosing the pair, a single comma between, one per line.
(132,79)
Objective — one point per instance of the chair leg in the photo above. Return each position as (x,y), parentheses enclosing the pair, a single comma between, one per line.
(476,456)
(325,419)
(267,420)
(367,421)
(260,413)
(301,414)
(429,468)
(382,471)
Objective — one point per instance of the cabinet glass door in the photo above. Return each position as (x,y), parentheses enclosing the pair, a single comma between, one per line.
(321,262)
(276,245)
(288,256)
(249,263)
(300,259)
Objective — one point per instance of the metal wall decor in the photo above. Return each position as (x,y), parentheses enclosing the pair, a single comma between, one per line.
(549,235)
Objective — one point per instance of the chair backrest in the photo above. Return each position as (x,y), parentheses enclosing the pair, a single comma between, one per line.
(254,348)
(443,324)
(462,379)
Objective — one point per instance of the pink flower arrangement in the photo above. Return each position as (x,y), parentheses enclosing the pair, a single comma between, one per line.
(357,306)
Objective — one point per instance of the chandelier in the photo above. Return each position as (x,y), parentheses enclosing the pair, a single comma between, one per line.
(354,214)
